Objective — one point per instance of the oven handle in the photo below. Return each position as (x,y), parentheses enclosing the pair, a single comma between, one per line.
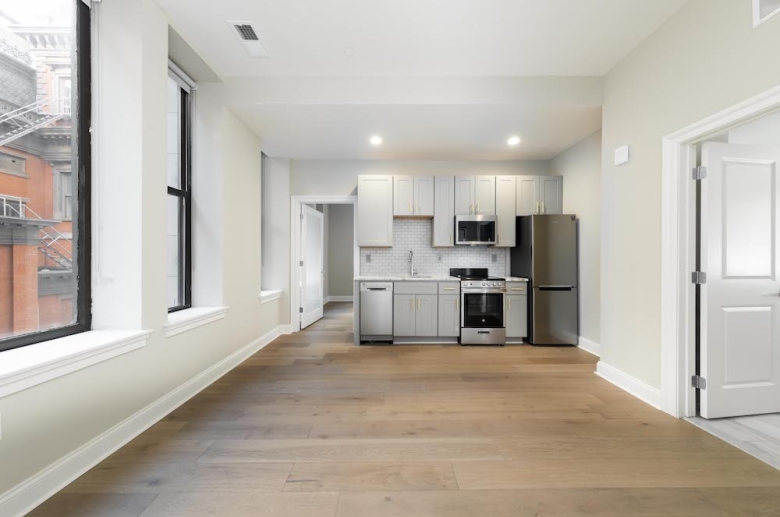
(482,291)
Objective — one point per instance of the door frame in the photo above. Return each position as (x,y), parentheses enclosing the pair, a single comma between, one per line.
(678,247)
(295,245)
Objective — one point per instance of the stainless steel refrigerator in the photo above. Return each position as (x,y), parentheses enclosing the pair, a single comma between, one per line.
(546,254)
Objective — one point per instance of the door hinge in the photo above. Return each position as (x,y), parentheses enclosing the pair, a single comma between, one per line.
(300,309)
(301,217)
(699,173)
(699,277)
(699,382)
(300,263)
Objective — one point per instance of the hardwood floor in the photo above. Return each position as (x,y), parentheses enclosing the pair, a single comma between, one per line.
(314,426)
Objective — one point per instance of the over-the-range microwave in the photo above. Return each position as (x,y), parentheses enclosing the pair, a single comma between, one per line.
(475,230)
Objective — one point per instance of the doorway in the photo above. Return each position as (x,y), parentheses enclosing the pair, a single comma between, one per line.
(324,260)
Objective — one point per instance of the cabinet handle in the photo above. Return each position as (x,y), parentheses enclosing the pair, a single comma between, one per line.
(537,208)
(542,207)
(449,288)
(457,304)
(517,289)
(471,208)
(508,304)
(477,207)
(452,239)
(418,304)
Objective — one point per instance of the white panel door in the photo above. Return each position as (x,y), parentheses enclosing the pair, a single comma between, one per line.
(403,195)
(506,194)
(740,302)
(551,194)
(423,195)
(464,195)
(485,195)
(528,195)
(444,211)
(312,273)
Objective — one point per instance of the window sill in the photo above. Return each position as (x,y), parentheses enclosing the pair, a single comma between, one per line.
(269,296)
(23,368)
(188,319)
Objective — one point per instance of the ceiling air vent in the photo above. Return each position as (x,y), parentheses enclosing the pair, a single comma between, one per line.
(249,39)
(246,32)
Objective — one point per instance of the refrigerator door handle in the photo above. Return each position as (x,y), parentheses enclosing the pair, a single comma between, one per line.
(556,287)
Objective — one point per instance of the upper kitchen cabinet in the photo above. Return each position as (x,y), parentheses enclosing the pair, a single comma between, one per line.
(444,211)
(485,195)
(506,193)
(375,211)
(539,195)
(413,196)
(464,195)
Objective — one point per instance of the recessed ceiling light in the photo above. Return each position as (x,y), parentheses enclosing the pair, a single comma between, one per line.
(376,140)
(349,51)
(513,141)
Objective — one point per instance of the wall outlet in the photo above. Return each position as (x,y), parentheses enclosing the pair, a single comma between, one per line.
(368,257)
(439,258)
(493,257)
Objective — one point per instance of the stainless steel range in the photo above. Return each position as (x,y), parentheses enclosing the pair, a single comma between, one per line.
(481,308)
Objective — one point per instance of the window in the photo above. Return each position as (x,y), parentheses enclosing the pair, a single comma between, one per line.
(179,242)
(45,165)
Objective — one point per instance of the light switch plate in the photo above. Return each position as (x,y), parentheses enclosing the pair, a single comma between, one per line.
(368,257)
(622,155)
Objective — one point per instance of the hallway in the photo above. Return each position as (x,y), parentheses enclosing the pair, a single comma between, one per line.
(314,426)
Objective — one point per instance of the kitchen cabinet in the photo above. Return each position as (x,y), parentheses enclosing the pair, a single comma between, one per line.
(413,196)
(485,195)
(449,315)
(403,314)
(539,195)
(426,316)
(464,195)
(516,308)
(444,211)
(506,193)
(375,211)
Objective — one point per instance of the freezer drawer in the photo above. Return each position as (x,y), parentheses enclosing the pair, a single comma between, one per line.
(554,319)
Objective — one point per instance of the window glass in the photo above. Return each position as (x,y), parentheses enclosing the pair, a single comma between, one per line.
(42,288)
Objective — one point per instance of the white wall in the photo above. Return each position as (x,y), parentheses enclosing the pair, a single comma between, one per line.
(339,177)
(44,423)
(276,195)
(340,260)
(580,167)
(704,59)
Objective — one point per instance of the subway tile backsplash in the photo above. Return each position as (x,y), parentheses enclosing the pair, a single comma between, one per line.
(415,235)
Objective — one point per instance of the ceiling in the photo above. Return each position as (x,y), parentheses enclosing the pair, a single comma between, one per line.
(439,48)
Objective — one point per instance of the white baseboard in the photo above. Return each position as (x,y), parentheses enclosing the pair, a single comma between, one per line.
(589,346)
(629,383)
(338,299)
(30,493)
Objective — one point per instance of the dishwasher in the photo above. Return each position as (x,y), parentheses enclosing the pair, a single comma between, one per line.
(376,311)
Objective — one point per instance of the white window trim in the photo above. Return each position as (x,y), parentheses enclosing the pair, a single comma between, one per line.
(188,319)
(25,367)
(269,296)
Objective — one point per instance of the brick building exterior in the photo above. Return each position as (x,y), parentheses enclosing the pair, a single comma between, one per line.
(37,281)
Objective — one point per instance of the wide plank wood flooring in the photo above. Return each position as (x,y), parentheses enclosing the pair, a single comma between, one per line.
(312,426)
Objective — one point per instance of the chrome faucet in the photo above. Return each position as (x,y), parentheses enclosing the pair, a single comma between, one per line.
(412,272)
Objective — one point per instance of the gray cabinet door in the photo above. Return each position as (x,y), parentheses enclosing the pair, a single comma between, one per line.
(485,195)
(528,202)
(423,195)
(517,316)
(404,308)
(506,194)
(464,195)
(449,315)
(426,317)
(403,196)
(552,194)
(375,211)
(444,211)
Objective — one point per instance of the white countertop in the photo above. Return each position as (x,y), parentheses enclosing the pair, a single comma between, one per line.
(407,278)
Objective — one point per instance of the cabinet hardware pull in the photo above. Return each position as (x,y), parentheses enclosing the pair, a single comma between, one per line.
(418,304)
(449,288)
(508,304)
(542,207)
(517,289)
(537,208)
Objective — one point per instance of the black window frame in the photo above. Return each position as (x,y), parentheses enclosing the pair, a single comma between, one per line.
(184,194)
(82,163)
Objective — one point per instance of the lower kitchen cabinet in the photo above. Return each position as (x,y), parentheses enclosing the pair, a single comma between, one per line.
(415,315)
(426,317)
(449,315)
(403,315)
(516,316)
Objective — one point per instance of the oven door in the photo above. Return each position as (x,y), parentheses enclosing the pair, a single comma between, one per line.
(482,309)
(475,229)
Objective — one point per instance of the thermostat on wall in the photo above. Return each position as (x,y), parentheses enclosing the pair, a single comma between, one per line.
(622,155)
